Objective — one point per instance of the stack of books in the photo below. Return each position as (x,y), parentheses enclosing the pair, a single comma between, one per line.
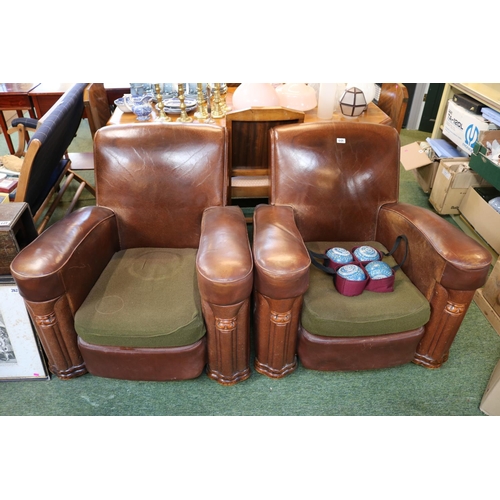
(8,184)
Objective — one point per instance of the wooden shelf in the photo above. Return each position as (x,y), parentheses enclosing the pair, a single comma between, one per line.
(486,93)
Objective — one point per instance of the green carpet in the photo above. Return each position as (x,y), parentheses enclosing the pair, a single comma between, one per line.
(454,389)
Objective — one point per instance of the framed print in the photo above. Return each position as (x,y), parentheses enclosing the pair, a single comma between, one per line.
(20,356)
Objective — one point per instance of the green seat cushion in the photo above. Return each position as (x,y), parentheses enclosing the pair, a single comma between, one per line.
(328,313)
(146,297)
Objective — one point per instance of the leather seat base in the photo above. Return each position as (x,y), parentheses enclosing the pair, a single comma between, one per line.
(145,364)
(357,353)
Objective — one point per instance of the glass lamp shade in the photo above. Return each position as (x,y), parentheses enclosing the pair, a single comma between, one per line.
(298,96)
(353,102)
(369,89)
(327,100)
(254,94)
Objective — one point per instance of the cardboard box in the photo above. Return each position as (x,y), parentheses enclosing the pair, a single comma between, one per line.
(420,158)
(490,402)
(482,216)
(463,127)
(487,300)
(452,181)
(479,161)
(487,309)
(425,176)
(491,290)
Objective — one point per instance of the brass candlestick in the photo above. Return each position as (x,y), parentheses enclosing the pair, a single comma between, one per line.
(184,116)
(224,105)
(217,111)
(209,105)
(201,111)
(162,117)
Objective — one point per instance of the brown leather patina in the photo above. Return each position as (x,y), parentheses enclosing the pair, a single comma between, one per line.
(339,181)
(158,186)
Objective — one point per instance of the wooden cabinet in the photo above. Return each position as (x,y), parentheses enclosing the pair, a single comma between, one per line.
(16,231)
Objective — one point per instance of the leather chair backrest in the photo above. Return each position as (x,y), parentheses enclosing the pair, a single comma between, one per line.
(336,175)
(97,106)
(158,178)
(393,101)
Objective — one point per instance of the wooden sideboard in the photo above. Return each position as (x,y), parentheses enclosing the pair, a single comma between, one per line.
(372,115)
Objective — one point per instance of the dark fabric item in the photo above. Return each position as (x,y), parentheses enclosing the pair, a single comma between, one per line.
(38,197)
(27,122)
(55,134)
(328,313)
(146,297)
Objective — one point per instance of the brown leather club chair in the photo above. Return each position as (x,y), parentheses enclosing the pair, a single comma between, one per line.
(393,101)
(337,184)
(95,100)
(154,282)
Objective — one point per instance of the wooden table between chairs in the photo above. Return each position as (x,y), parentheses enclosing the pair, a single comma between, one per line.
(38,98)
(372,115)
(15,97)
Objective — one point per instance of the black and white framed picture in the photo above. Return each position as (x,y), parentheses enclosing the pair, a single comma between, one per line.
(20,356)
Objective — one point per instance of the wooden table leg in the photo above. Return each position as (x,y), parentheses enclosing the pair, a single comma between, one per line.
(3,125)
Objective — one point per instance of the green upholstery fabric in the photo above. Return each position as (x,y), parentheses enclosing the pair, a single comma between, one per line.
(146,297)
(328,313)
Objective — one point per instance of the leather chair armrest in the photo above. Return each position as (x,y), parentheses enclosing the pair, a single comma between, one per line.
(456,260)
(224,262)
(280,256)
(74,250)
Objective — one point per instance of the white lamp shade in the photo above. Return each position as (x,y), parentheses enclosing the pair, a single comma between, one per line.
(254,94)
(327,100)
(353,102)
(298,96)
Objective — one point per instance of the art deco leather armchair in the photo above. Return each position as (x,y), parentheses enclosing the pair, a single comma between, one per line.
(337,184)
(154,282)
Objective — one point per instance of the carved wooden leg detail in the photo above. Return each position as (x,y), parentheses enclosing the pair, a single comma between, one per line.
(228,341)
(58,337)
(276,326)
(448,311)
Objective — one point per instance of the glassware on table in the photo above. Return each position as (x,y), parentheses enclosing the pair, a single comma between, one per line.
(139,89)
